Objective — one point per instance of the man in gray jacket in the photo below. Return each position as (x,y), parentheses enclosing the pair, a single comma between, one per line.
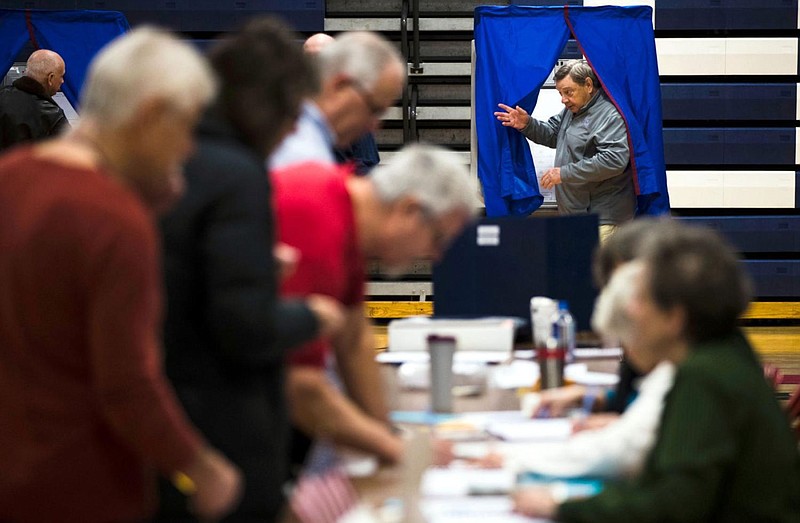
(592,172)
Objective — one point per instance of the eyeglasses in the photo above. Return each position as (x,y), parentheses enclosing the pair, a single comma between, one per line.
(375,109)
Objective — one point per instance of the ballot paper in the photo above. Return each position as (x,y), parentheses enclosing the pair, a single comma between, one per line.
(550,429)
(461,481)
(477,509)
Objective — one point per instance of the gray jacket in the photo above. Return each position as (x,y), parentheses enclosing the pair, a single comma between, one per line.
(592,151)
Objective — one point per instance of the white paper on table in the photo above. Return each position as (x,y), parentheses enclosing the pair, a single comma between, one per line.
(551,429)
(580,373)
(470,356)
(453,481)
(478,509)
(516,374)
(525,373)
(598,352)
(361,513)
(482,419)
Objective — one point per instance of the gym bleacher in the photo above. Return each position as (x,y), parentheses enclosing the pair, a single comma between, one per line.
(729,76)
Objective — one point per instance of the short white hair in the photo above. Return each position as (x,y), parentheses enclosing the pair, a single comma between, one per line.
(361,55)
(610,317)
(143,64)
(432,175)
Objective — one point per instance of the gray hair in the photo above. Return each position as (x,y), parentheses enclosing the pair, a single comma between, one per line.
(361,55)
(696,269)
(578,70)
(41,63)
(432,175)
(610,318)
(144,64)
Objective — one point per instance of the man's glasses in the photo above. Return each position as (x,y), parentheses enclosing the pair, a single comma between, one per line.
(375,109)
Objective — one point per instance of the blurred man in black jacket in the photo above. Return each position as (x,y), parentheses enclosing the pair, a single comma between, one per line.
(227,332)
(27,109)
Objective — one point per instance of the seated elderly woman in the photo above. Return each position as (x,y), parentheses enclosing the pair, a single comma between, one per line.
(619,448)
(621,247)
(724,451)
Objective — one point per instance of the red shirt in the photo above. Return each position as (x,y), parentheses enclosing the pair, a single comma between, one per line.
(85,411)
(315,215)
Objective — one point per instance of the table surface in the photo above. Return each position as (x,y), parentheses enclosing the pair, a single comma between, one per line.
(402,481)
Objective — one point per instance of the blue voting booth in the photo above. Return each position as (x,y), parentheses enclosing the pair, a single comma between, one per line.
(516,48)
(74,34)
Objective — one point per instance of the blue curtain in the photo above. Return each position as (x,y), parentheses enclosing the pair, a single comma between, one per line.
(75,35)
(516,47)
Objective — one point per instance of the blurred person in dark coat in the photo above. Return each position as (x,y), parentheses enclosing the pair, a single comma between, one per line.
(27,109)
(226,332)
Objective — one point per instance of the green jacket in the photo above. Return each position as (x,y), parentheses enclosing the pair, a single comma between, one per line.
(724,452)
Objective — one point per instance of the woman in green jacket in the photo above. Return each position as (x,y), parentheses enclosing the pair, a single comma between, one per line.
(724,451)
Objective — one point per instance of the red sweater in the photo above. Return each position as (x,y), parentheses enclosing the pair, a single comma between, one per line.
(315,215)
(85,411)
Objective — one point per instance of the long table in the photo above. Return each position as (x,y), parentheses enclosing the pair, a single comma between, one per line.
(399,485)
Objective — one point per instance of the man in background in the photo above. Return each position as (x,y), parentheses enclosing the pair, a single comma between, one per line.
(407,210)
(86,414)
(27,109)
(361,76)
(592,172)
(363,153)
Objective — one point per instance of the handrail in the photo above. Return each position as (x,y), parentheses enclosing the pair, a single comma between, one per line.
(416,67)
(404,29)
(413,113)
(405,50)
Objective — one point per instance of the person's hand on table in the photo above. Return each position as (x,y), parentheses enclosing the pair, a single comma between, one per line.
(594,421)
(444,454)
(557,402)
(492,460)
(515,117)
(537,502)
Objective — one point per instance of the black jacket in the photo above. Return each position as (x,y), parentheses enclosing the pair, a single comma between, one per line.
(226,331)
(27,113)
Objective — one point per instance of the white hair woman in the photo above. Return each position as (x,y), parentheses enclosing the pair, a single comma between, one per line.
(126,86)
(619,448)
(86,411)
